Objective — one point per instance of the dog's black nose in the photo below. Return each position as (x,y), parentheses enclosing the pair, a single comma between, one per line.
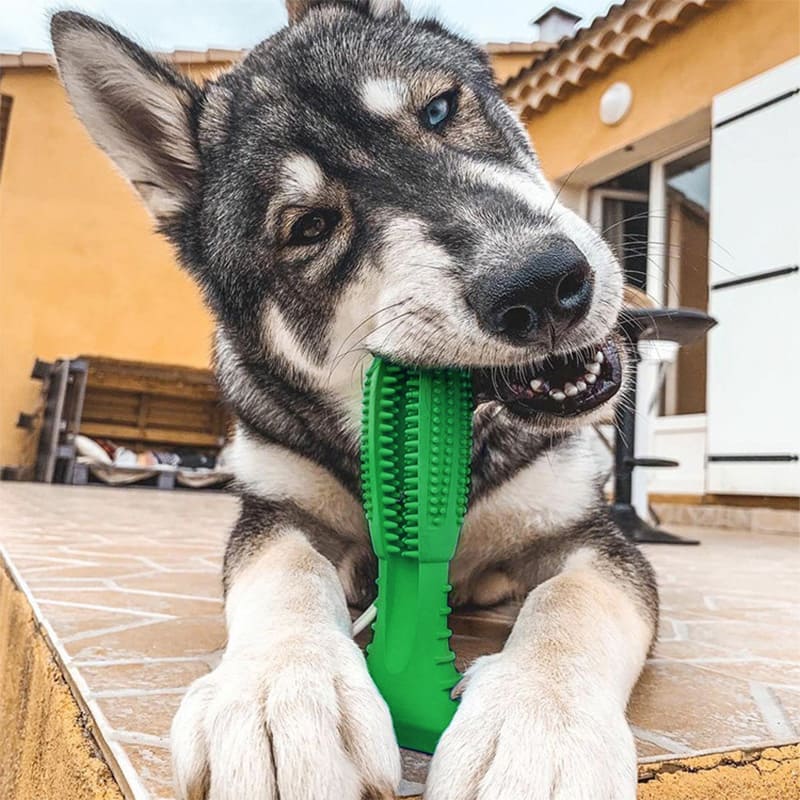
(553,287)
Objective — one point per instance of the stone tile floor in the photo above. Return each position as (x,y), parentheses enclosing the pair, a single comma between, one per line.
(128,582)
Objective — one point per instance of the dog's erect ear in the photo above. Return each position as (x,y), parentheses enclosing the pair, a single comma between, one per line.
(137,108)
(377,8)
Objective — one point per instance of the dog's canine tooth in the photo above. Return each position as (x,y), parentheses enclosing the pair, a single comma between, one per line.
(599,357)
(537,385)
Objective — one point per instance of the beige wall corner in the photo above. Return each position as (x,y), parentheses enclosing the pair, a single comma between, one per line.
(46,748)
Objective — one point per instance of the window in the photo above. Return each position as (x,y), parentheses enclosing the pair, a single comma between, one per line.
(621,211)
(687,187)
(656,219)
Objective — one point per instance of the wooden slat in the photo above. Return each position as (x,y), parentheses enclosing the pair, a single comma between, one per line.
(129,383)
(164,436)
(154,379)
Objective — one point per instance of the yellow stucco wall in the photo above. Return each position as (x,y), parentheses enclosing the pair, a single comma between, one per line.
(81,270)
(674,79)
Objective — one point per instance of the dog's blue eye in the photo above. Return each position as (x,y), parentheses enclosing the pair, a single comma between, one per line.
(439,110)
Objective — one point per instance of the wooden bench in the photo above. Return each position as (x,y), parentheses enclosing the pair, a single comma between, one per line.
(137,405)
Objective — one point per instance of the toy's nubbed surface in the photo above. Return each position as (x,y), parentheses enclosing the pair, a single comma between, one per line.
(416,445)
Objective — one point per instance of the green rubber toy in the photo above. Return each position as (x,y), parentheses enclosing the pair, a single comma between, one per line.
(415,451)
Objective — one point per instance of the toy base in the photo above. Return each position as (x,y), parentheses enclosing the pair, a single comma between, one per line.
(411,737)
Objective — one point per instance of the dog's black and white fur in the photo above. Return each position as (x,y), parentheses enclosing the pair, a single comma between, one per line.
(326,217)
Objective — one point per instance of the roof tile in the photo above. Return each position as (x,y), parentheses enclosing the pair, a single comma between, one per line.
(620,35)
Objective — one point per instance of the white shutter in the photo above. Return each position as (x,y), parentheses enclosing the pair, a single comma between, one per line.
(753,398)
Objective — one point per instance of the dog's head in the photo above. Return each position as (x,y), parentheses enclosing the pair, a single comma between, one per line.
(356,185)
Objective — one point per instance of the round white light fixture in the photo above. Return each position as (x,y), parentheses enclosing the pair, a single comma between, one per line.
(616,103)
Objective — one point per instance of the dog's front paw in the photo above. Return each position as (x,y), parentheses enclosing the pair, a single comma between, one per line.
(302,721)
(517,736)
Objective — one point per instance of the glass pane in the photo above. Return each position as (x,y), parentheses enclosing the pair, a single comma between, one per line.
(688,188)
(624,221)
(625,226)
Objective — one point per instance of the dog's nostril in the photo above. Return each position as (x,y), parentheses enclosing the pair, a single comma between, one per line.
(517,321)
(572,289)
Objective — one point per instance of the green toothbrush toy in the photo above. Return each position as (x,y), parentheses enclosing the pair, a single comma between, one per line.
(415,452)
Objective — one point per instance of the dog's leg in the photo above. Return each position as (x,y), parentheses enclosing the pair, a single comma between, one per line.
(545,718)
(290,712)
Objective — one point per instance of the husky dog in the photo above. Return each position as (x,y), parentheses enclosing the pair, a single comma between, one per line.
(357,185)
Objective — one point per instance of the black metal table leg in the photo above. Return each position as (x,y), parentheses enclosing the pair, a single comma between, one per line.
(641,532)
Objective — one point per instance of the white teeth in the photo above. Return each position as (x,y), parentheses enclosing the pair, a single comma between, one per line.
(593,368)
(599,357)
(581,386)
(558,396)
(536,385)
(589,378)
(571,390)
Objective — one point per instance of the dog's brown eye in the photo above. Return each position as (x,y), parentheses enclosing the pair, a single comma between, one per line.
(313,226)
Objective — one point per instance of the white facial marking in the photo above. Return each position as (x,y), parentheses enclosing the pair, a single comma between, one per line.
(340,369)
(283,341)
(302,177)
(347,358)
(536,193)
(417,279)
(385,97)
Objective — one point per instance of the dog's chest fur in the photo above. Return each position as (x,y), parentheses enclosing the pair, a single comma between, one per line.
(527,490)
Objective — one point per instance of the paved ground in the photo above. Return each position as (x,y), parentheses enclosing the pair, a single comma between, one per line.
(128,582)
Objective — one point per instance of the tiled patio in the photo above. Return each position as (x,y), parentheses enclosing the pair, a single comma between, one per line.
(127,582)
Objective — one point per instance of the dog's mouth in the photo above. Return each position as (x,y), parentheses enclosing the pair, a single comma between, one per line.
(560,385)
